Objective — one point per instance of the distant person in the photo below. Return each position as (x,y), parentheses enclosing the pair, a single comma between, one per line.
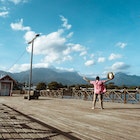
(99,90)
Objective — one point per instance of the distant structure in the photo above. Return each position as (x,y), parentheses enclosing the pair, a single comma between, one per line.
(6,85)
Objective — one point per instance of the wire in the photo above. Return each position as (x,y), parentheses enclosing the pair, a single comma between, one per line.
(15,62)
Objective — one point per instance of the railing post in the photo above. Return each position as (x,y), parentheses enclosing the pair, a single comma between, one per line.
(62,93)
(124,91)
(113,96)
(85,95)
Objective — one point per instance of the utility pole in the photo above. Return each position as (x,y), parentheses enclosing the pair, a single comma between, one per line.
(30,76)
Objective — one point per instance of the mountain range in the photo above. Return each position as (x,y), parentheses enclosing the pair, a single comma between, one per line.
(48,75)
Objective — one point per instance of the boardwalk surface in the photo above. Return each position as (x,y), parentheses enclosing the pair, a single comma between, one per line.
(67,119)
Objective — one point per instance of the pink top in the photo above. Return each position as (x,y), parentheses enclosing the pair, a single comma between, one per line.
(99,87)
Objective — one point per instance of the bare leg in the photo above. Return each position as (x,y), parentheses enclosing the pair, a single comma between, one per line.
(94,100)
(102,101)
(100,97)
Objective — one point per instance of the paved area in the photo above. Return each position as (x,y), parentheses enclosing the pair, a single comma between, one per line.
(67,119)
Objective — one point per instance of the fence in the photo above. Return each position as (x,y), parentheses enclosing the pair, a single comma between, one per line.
(113,95)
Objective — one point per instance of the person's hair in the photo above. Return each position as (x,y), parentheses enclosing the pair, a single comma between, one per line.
(97,78)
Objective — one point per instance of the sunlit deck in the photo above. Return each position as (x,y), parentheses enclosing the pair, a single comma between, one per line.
(65,119)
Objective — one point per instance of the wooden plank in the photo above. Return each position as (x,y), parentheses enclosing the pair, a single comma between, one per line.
(66,118)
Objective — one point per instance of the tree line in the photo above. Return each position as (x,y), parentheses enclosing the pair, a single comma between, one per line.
(55,86)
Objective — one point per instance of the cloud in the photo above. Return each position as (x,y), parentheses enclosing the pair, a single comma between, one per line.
(3,11)
(51,46)
(65,69)
(29,35)
(121,44)
(4,14)
(70,35)
(19,26)
(65,22)
(18,1)
(118,67)
(101,59)
(54,47)
(89,62)
(24,67)
(83,53)
(114,56)
(46,44)
(19,68)
(75,48)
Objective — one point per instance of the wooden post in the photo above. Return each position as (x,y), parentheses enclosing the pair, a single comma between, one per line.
(62,93)
(85,95)
(11,88)
(125,101)
(113,96)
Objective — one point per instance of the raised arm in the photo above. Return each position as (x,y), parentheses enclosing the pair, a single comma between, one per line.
(86,79)
(107,80)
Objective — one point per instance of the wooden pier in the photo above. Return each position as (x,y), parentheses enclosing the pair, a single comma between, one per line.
(67,119)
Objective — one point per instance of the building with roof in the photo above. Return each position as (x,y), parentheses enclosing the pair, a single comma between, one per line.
(6,85)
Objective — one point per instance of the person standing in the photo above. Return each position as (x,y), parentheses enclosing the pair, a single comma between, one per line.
(99,90)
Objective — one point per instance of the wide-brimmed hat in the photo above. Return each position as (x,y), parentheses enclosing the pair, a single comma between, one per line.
(110,75)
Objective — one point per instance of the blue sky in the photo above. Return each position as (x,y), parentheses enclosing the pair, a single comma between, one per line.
(92,37)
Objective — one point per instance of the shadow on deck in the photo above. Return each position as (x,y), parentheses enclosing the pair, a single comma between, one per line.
(16,125)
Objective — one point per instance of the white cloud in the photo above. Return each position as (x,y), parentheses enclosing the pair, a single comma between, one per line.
(83,53)
(14,1)
(65,22)
(54,47)
(24,67)
(4,13)
(70,35)
(89,62)
(47,44)
(74,48)
(101,59)
(121,44)
(18,1)
(19,26)
(65,69)
(77,47)
(114,56)
(19,68)
(118,67)
(29,35)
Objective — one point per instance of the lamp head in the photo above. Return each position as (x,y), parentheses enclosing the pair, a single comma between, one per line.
(37,35)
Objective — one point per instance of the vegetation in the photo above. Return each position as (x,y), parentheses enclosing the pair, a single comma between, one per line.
(55,85)
(41,86)
(110,85)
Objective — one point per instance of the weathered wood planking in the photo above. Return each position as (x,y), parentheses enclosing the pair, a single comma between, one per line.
(75,119)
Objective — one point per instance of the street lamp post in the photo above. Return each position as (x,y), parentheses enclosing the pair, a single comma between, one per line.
(30,76)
